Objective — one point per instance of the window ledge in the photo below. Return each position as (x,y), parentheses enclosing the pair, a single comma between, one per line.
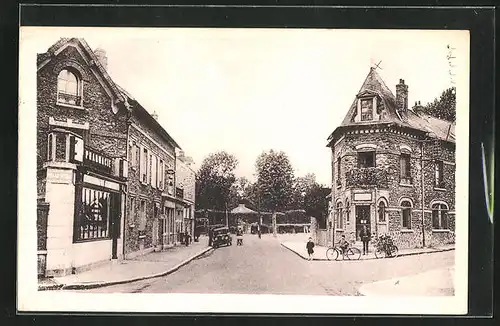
(406,185)
(407,231)
(131,225)
(439,189)
(382,222)
(92,240)
(339,186)
(70,106)
(441,231)
(142,236)
(342,230)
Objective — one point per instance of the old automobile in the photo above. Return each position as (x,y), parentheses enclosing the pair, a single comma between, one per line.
(221,237)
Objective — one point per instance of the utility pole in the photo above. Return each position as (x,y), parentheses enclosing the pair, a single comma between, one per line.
(227,219)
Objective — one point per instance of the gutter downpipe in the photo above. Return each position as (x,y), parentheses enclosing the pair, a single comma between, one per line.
(125,213)
(422,184)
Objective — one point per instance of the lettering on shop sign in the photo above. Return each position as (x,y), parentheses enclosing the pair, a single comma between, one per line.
(363,197)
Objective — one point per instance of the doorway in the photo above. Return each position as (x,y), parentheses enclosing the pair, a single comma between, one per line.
(362,219)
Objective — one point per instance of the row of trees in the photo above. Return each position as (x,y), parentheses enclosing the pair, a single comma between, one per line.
(443,107)
(275,189)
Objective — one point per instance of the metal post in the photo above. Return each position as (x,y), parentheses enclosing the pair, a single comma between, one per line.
(422,181)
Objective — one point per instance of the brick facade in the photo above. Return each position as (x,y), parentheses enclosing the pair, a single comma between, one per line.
(109,123)
(145,137)
(357,190)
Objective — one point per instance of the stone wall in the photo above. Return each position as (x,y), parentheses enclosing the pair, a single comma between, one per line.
(389,145)
(141,135)
(107,131)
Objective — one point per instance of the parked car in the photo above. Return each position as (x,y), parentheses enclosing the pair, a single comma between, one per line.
(221,236)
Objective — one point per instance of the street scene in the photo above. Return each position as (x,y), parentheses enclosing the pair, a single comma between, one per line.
(203,162)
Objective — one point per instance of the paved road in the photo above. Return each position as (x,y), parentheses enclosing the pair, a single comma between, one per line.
(265,267)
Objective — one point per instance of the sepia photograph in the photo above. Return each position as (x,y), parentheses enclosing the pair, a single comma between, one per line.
(306,170)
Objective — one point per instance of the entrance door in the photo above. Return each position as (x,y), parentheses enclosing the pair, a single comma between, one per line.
(161,230)
(115,211)
(362,218)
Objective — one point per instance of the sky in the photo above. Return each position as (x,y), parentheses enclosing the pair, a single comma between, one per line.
(246,91)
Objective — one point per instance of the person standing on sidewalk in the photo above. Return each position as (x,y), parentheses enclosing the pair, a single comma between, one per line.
(310,248)
(365,235)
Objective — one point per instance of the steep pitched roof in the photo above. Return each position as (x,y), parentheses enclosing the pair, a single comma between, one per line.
(373,84)
(148,118)
(82,45)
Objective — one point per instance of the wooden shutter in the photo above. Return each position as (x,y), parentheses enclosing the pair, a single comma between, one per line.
(153,171)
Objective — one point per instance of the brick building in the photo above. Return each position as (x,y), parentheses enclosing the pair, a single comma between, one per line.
(393,170)
(105,166)
(185,181)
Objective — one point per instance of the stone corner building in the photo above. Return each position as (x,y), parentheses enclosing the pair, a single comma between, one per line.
(393,170)
(106,168)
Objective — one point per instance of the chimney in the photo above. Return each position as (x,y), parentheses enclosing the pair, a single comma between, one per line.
(402,96)
(155,115)
(103,58)
(418,108)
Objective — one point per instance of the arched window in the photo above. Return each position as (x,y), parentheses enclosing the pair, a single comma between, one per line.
(68,88)
(381,211)
(340,220)
(406,213)
(439,216)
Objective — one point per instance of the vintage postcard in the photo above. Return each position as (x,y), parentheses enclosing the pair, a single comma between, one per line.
(243,170)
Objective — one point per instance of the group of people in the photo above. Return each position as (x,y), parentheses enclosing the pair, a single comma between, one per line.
(343,244)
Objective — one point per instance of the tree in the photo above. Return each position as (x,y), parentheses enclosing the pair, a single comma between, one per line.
(316,203)
(214,180)
(239,191)
(274,181)
(301,186)
(444,107)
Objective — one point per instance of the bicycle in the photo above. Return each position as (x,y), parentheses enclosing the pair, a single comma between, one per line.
(385,248)
(352,253)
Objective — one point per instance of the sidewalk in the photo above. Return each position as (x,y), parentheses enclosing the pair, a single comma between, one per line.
(320,252)
(439,282)
(151,265)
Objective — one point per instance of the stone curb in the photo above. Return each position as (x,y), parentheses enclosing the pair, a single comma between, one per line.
(79,286)
(372,258)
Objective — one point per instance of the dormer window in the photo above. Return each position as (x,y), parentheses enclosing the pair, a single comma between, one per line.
(69,88)
(367,109)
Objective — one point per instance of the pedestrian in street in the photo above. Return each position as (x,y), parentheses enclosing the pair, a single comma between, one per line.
(210,237)
(365,235)
(309,247)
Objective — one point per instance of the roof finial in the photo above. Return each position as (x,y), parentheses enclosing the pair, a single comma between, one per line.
(377,66)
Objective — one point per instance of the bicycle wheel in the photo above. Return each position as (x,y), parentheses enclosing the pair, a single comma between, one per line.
(332,254)
(379,253)
(353,253)
(394,251)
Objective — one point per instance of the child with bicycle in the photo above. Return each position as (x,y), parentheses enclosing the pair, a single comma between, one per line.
(343,243)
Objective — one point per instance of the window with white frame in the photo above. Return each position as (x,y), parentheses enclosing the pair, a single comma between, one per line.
(405,171)
(339,161)
(406,214)
(153,171)
(438,173)
(439,216)
(142,216)
(381,211)
(366,159)
(367,109)
(340,220)
(69,88)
